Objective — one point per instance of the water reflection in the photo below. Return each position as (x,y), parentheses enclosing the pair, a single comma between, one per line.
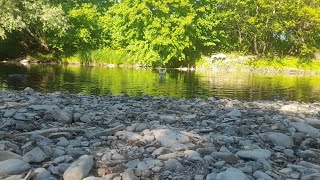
(98,81)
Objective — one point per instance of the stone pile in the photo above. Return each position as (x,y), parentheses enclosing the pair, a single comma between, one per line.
(82,137)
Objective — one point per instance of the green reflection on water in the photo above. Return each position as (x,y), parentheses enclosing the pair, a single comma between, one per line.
(99,81)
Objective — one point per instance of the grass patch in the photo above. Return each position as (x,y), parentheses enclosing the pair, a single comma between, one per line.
(100,56)
(286,63)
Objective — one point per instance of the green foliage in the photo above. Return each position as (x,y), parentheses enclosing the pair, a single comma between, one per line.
(152,32)
(34,23)
(39,57)
(169,33)
(286,63)
(100,56)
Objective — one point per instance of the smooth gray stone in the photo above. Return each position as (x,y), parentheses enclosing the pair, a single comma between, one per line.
(13,167)
(42,174)
(278,139)
(234,113)
(79,169)
(262,175)
(172,165)
(35,155)
(306,128)
(5,155)
(232,174)
(129,175)
(228,157)
(9,113)
(254,154)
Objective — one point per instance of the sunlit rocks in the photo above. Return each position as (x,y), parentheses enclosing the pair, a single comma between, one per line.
(168,137)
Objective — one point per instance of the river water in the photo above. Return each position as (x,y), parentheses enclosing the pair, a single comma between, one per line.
(175,83)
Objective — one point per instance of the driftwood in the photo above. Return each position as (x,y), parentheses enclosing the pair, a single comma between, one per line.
(52,130)
(30,175)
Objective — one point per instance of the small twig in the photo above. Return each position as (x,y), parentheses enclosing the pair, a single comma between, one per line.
(52,130)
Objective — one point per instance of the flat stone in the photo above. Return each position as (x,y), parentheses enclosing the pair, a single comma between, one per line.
(60,134)
(152,162)
(211,176)
(6,155)
(168,137)
(306,128)
(169,119)
(254,154)
(141,127)
(198,177)
(129,175)
(205,151)
(9,113)
(234,113)
(86,118)
(35,155)
(42,174)
(117,157)
(62,116)
(13,167)
(79,169)
(313,176)
(228,157)
(172,165)
(307,154)
(232,174)
(167,156)
(278,139)
(133,163)
(262,175)
(75,152)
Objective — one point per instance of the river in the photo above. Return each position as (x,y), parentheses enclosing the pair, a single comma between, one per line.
(175,83)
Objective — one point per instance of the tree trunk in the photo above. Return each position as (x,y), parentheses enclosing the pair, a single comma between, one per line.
(255,46)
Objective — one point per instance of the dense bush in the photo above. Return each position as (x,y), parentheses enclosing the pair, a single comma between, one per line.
(173,32)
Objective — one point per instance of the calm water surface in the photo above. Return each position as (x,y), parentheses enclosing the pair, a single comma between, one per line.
(99,81)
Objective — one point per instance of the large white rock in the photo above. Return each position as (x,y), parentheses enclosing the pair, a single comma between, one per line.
(232,174)
(35,155)
(254,154)
(306,128)
(13,167)
(168,137)
(79,169)
(278,139)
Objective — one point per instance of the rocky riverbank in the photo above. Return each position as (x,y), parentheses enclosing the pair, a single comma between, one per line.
(73,137)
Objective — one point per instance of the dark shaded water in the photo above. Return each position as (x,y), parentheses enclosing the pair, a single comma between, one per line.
(99,81)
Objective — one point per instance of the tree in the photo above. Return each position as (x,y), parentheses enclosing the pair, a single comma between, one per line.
(33,22)
(153,32)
